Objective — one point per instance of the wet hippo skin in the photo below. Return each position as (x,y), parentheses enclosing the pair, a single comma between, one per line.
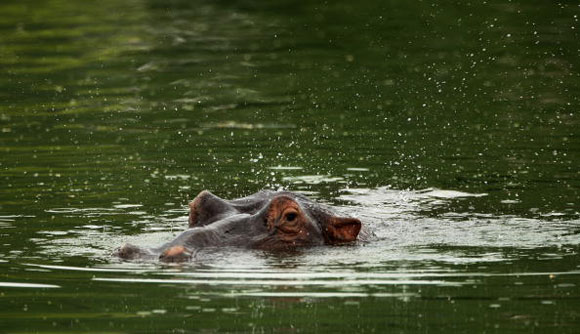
(265,220)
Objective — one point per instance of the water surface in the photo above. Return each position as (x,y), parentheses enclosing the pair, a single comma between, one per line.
(449,129)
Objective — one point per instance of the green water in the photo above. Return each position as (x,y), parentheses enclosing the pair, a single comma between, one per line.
(450,129)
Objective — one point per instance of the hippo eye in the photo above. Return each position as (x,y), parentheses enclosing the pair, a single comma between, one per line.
(291,216)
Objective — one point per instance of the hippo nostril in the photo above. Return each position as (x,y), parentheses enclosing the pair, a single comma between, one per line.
(207,208)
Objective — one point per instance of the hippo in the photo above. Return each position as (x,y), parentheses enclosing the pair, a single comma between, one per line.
(269,220)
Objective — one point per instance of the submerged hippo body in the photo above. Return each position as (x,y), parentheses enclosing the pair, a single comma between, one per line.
(265,220)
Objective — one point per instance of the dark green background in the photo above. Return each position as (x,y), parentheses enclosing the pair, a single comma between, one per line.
(113,114)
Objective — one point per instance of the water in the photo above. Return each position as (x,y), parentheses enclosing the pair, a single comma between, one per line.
(450,130)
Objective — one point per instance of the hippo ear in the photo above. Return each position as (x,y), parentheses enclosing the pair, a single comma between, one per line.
(342,229)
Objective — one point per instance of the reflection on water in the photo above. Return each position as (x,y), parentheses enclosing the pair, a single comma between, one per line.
(27,285)
(272,283)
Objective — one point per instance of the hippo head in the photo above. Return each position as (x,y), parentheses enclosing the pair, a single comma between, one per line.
(274,220)
(265,220)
